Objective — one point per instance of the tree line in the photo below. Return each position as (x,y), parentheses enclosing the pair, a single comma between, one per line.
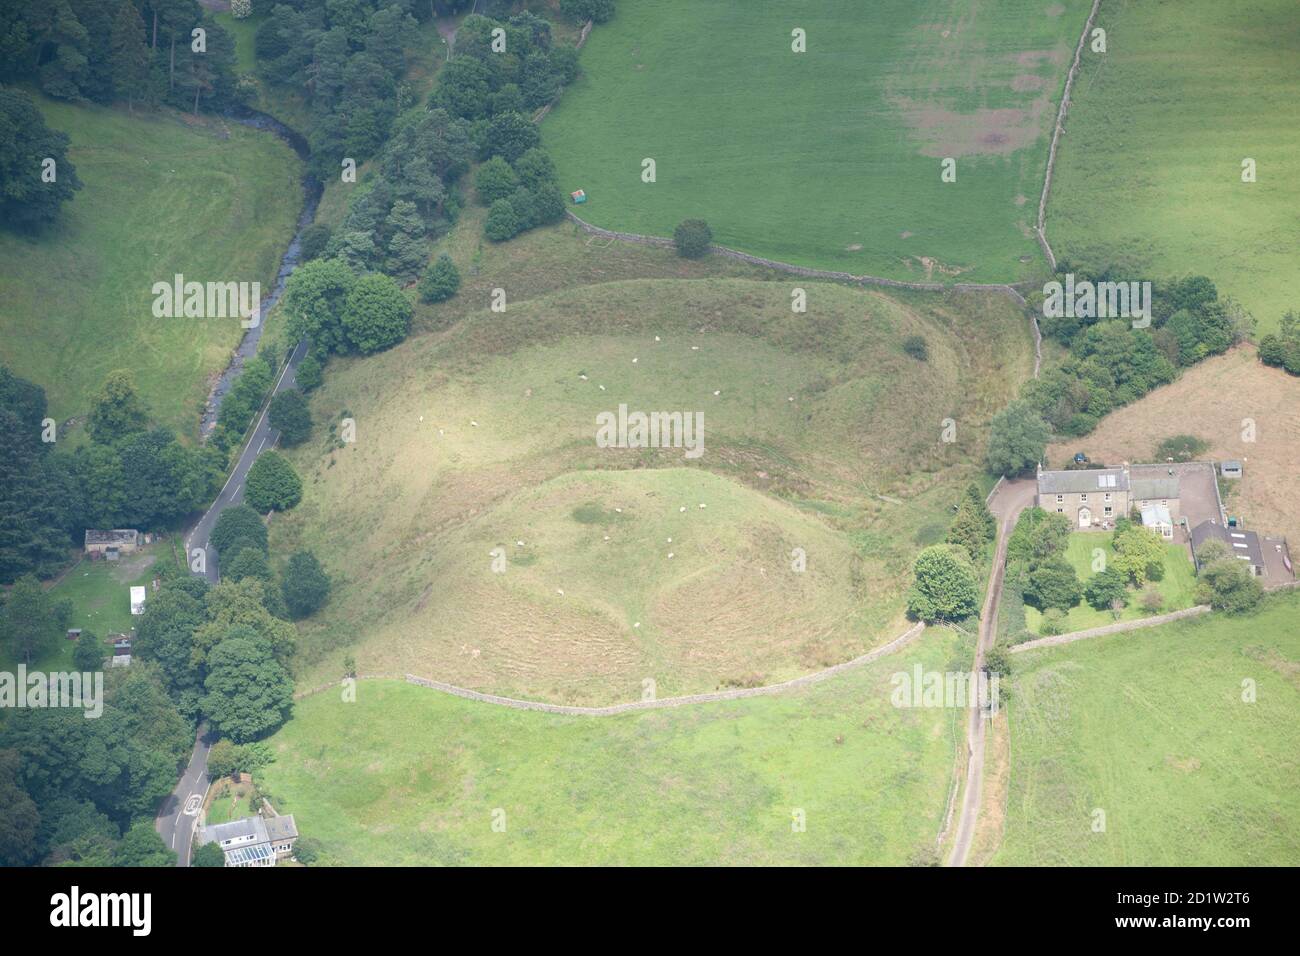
(1111,364)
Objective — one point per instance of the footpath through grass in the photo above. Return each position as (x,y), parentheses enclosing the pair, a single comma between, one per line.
(407,776)
(1153,728)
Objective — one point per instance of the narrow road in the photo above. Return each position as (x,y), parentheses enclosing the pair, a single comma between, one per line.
(180,811)
(178,814)
(1012,498)
(232,493)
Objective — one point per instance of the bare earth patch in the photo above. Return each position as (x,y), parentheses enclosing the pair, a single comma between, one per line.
(999,132)
(1217,401)
(1026,82)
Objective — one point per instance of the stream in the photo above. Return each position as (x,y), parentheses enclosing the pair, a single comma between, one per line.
(311,193)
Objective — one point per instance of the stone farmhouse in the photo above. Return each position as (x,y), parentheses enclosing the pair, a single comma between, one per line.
(1091,499)
(1094,499)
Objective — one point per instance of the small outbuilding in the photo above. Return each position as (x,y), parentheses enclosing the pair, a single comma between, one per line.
(1230,469)
(137,599)
(1241,544)
(579,197)
(111,544)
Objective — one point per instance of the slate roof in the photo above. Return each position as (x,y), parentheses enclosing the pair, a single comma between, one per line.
(117,536)
(261,829)
(234,830)
(1241,543)
(1146,488)
(1081,481)
(282,828)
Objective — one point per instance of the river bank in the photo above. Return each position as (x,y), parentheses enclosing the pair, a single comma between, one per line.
(248,345)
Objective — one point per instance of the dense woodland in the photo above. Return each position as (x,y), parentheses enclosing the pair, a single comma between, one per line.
(101,51)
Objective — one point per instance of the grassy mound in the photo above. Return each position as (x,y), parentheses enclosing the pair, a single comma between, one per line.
(602,581)
(483,436)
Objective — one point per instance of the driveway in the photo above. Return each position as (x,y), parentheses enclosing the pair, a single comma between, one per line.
(1011,498)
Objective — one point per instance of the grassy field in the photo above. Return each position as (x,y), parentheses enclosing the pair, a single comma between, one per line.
(1151,728)
(1176,587)
(163,194)
(484,435)
(406,775)
(1149,174)
(744,134)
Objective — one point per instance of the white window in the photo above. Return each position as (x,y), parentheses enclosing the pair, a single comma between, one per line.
(1083,497)
(1108,498)
(1109,510)
(1060,511)
(1059,499)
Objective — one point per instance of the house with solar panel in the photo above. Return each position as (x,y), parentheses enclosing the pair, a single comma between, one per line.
(1093,499)
(253,841)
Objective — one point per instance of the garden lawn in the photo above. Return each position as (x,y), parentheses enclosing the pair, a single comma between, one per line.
(100,592)
(1177,587)
(231,802)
